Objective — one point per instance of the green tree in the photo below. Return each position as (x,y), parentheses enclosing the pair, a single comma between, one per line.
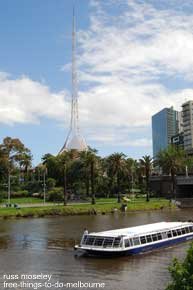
(12,154)
(62,164)
(132,167)
(90,161)
(117,166)
(171,160)
(182,273)
(146,164)
(51,182)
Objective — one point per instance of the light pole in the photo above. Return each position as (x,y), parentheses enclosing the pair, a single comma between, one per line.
(65,185)
(9,188)
(186,171)
(44,177)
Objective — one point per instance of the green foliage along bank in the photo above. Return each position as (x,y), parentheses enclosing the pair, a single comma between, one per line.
(80,176)
(182,273)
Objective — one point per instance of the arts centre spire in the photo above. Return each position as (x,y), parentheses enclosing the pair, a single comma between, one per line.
(74,139)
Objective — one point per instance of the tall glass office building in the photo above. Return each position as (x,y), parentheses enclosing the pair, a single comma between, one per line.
(164,126)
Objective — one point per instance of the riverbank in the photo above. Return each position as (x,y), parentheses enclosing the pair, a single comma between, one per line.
(83,209)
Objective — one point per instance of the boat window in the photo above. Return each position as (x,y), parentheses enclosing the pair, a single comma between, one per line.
(164,235)
(127,243)
(149,238)
(154,237)
(108,242)
(89,240)
(159,236)
(143,240)
(136,241)
(98,241)
(191,229)
(174,232)
(179,232)
(131,242)
(169,234)
(116,242)
(183,231)
(187,230)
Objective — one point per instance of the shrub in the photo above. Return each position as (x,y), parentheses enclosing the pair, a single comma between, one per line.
(51,183)
(182,273)
(21,193)
(56,194)
(3,194)
(1,197)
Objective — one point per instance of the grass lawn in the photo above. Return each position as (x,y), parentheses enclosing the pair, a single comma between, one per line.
(24,200)
(86,209)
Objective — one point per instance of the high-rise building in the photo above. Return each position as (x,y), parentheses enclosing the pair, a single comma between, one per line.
(187,118)
(165,124)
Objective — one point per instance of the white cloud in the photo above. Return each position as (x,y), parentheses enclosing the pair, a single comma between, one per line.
(122,139)
(26,101)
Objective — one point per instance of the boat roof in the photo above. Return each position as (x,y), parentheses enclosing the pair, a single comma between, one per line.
(142,229)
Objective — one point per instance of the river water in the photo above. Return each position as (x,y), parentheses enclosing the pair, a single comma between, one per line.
(45,245)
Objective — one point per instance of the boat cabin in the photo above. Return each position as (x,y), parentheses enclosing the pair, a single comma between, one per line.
(135,236)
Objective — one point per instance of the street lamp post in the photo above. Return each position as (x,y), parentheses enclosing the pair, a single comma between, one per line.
(65,185)
(9,188)
(44,177)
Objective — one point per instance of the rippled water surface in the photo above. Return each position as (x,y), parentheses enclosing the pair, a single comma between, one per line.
(46,246)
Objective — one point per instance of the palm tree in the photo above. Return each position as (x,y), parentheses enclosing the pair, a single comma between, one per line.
(62,164)
(188,164)
(117,165)
(146,164)
(90,160)
(171,160)
(25,163)
(131,165)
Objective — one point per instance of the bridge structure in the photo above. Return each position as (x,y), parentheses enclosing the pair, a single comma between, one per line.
(162,186)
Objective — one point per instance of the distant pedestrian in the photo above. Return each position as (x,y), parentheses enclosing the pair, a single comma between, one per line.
(85,232)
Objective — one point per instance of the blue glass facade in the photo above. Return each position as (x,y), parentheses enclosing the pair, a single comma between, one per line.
(164,126)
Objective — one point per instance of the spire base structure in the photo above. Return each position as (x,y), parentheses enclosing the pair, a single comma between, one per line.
(74,139)
(76,142)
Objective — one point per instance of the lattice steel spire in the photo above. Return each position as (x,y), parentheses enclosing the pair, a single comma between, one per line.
(74,139)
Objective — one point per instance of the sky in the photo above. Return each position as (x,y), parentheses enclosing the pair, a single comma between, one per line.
(134,57)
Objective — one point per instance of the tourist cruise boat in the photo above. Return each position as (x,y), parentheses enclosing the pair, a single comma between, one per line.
(134,240)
